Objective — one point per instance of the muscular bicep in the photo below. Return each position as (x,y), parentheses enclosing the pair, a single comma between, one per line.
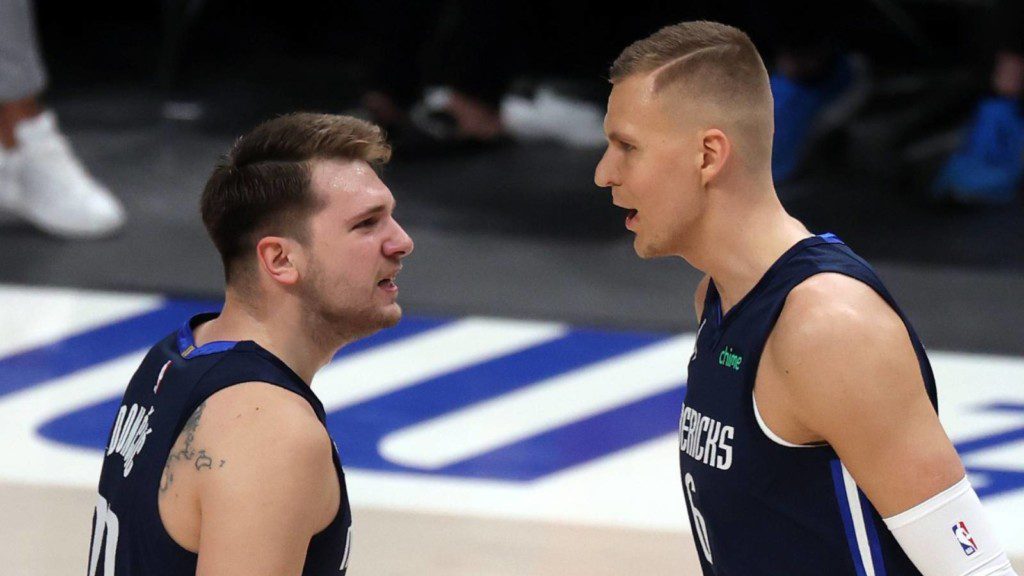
(260,510)
(853,378)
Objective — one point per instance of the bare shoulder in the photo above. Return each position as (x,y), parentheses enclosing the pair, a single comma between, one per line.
(245,427)
(272,487)
(243,445)
(267,425)
(844,365)
(260,408)
(265,440)
(700,294)
(834,310)
(833,327)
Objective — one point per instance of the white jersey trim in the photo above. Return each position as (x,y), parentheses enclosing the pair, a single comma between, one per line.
(860,530)
(772,435)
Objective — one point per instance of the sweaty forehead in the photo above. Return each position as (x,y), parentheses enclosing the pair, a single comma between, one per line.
(637,104)
(340,174)
(349,182)
(630,95)
(634,105)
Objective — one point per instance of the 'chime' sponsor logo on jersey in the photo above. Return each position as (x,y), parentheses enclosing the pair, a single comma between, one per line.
(730,358)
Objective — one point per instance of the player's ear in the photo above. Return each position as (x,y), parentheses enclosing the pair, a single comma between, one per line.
(277,257)
(715,151)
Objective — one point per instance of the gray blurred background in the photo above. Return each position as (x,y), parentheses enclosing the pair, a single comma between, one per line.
(151,94)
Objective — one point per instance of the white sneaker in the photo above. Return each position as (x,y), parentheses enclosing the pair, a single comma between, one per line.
(51,188)
(8,185)
(552,116)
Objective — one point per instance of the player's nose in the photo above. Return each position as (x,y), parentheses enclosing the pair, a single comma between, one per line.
(604,174)
(400,244)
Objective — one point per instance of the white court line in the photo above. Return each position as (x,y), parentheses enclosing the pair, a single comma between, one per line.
(27,457)
(968,382)
(36,316)
(382,369)
(545,405)
(635,487)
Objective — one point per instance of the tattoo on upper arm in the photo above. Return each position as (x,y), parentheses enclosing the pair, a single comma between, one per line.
(203,461)
(188,452)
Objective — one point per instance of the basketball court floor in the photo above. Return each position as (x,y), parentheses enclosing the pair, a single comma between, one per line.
(522,418)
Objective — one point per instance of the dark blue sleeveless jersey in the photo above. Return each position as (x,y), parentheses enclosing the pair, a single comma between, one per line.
(128,537)
(756,506)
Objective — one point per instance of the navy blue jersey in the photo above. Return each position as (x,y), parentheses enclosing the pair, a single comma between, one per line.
(174,379)
(757,505)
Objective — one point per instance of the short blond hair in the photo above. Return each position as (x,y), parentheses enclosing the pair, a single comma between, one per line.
(709,61)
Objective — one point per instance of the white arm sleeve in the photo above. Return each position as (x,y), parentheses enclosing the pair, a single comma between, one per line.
(949,535)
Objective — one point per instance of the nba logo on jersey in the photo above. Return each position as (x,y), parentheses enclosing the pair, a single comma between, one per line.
(160,377)
(963,536)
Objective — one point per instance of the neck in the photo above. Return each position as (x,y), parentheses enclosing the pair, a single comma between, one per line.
(744,234)
(280,331)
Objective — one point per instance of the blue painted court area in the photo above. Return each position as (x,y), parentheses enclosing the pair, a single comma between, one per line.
(361,426)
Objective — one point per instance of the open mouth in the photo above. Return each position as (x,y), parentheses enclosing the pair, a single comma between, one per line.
(630,216)
(388,284)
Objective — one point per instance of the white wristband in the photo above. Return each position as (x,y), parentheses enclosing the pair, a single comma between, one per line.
(949,535)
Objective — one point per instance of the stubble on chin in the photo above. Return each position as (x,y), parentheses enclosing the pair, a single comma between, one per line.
(357,324)
(344,327)
(389,318)
(643,249)
(332,323)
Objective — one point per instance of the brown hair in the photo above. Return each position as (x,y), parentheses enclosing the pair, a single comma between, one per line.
(709,61)
(262,187)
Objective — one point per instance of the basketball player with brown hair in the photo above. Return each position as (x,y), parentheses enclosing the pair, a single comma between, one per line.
(219,461)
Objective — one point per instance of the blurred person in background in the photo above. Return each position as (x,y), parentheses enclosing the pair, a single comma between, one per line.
(455,78)
(988,166)
(423,80)
(462,78)
(451,70)
(41,178)
(816,83)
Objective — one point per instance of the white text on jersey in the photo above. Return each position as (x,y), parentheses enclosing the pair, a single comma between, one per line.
(130,431)
(705,439)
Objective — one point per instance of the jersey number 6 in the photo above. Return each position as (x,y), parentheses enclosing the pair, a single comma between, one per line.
(699,526)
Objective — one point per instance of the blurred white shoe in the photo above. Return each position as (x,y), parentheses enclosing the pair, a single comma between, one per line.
(8,186)
(49,187)
(552,116)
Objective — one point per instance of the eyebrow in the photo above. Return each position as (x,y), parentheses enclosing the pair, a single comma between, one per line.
(378,209)
(616,136)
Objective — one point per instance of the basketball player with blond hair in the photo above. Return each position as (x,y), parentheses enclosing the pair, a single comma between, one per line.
(809,438)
